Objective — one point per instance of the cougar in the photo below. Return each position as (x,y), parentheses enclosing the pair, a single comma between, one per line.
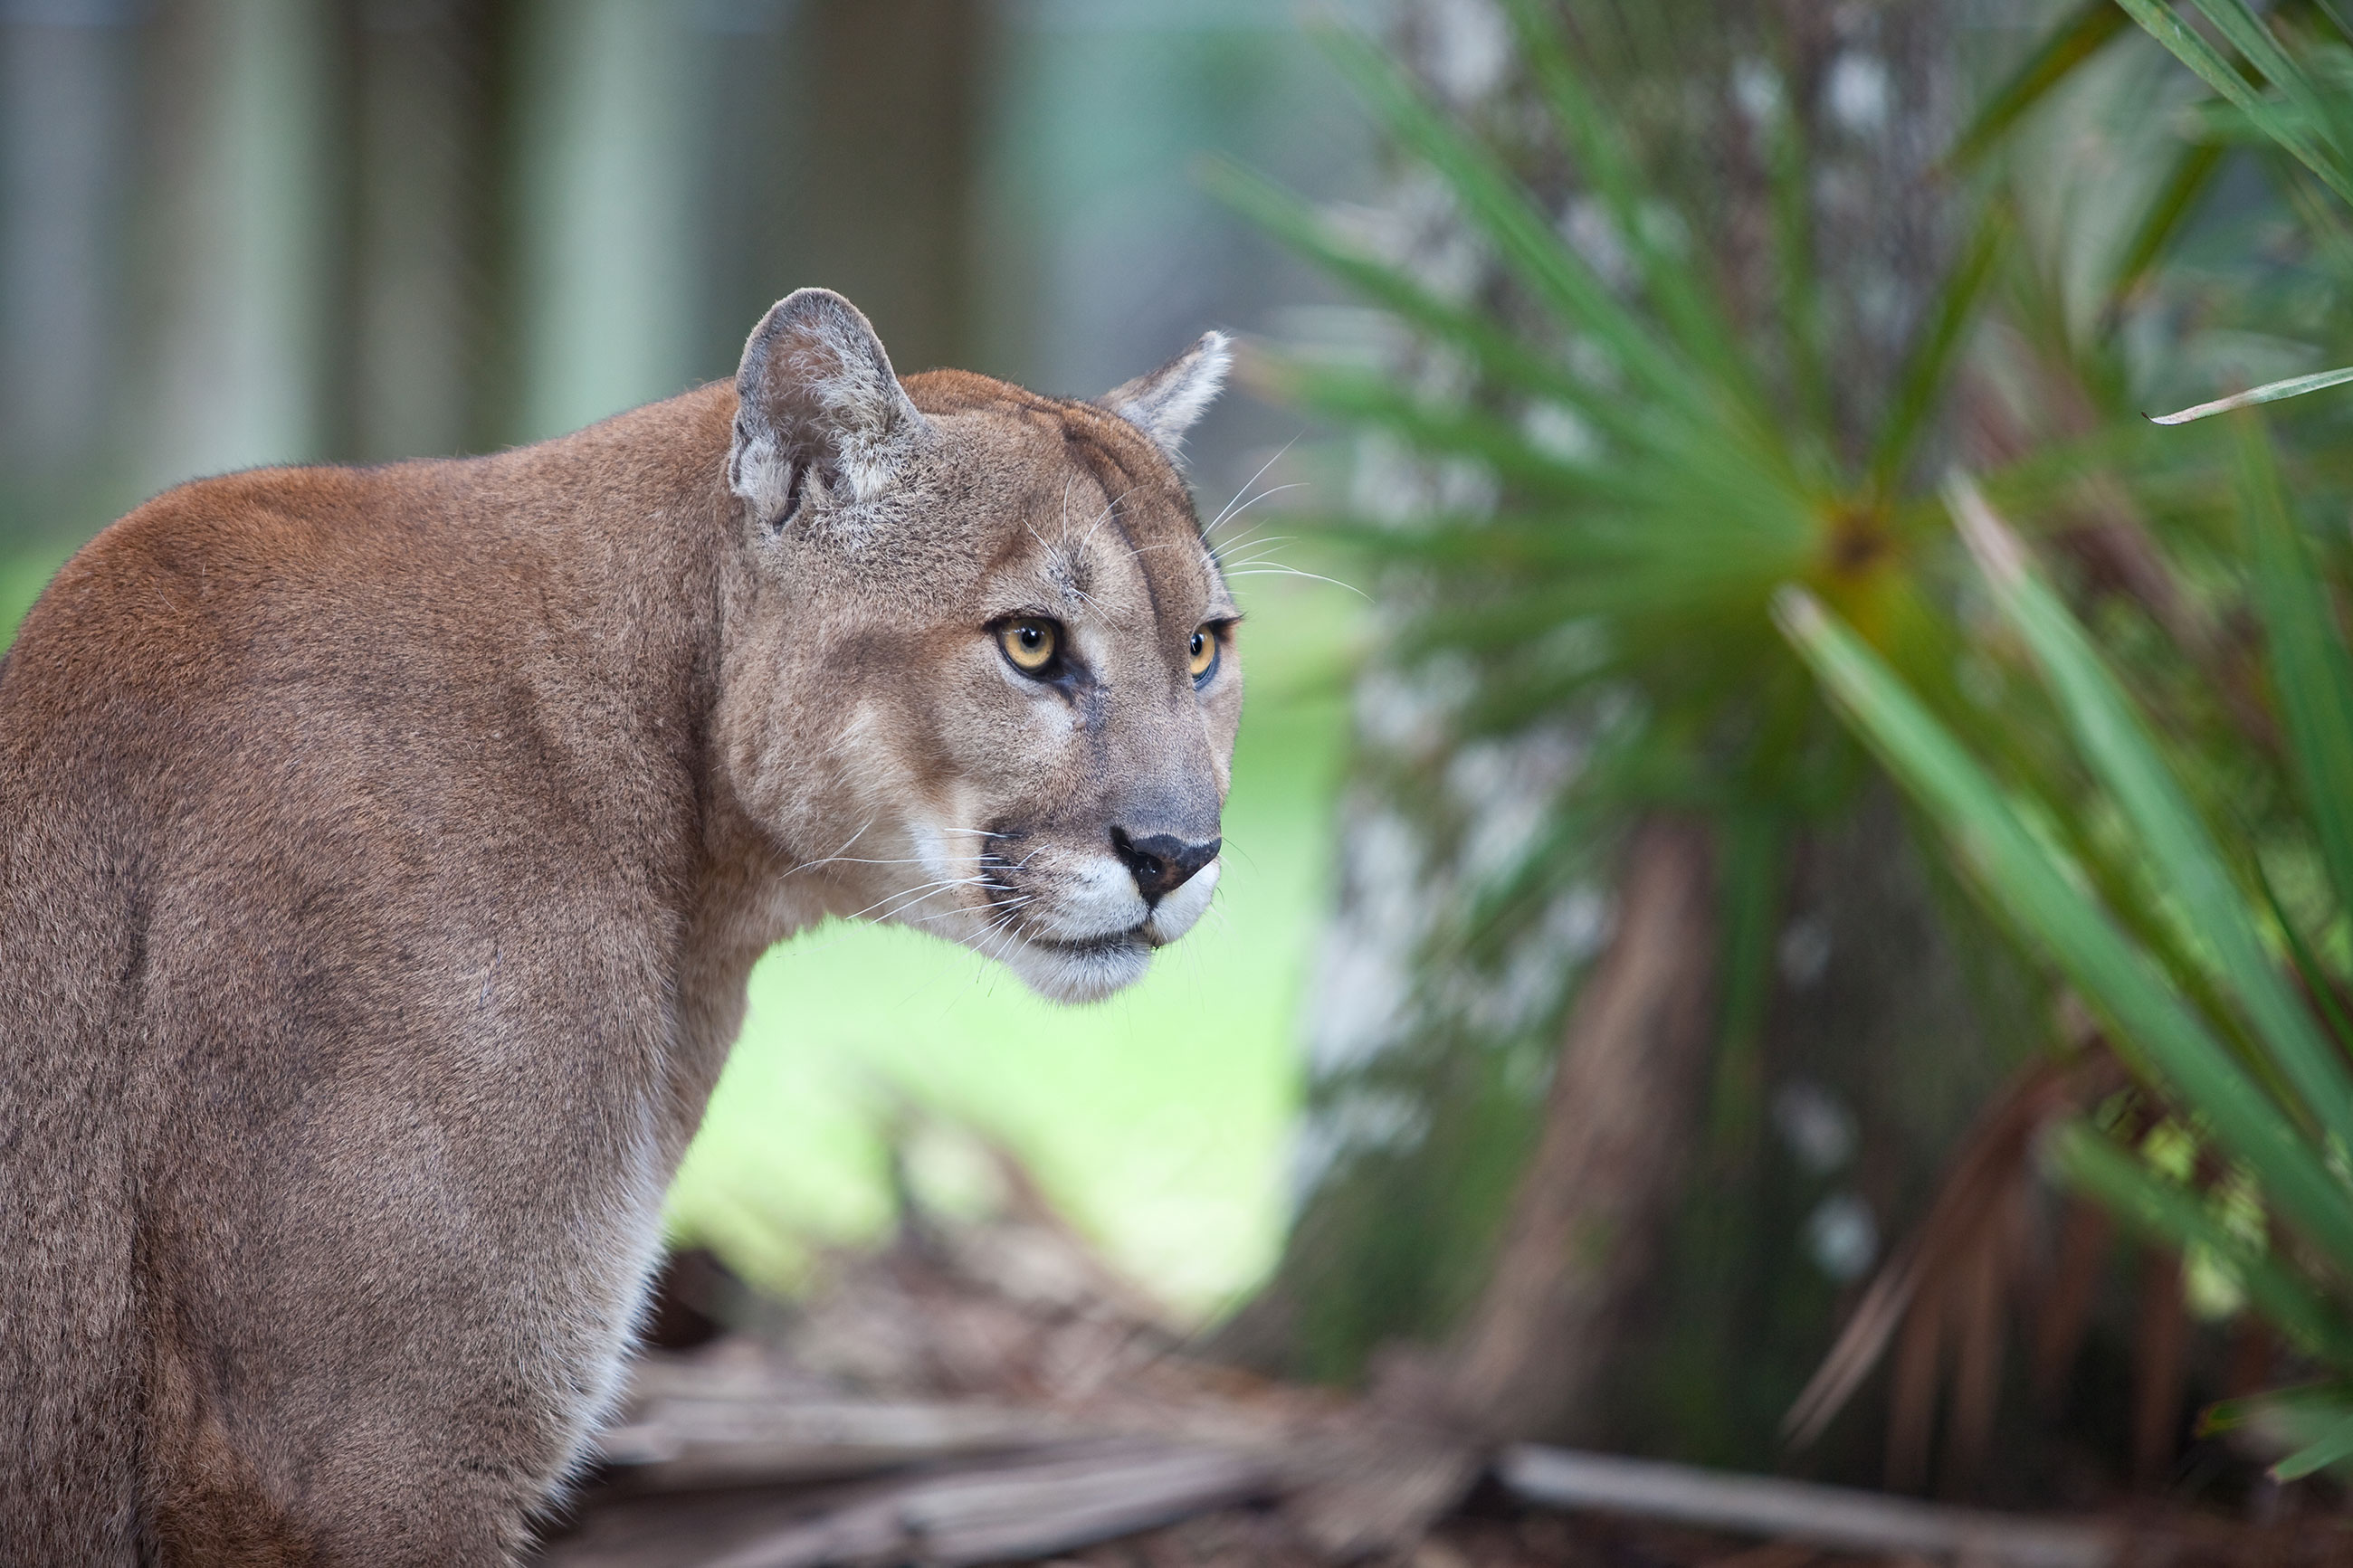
(384,853)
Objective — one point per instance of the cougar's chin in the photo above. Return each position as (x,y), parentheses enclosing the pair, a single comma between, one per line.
(1078,972)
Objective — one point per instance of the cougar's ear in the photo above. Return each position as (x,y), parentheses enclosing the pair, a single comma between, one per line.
(1165,404)
(817,408)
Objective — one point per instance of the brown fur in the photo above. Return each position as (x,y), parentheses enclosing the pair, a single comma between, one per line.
(383,854)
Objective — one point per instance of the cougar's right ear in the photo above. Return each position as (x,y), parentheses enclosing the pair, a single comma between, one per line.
(817,409)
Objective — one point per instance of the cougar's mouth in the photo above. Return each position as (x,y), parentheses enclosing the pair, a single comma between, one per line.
(1084,933)
(1133,936)
(1085,969)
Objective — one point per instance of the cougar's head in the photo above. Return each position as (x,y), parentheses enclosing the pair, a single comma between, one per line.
(980,678)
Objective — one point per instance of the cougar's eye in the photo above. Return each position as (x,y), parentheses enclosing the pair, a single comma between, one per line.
(1202,652)
(1034,646)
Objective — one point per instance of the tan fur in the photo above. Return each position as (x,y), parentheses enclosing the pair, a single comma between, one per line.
(383,854)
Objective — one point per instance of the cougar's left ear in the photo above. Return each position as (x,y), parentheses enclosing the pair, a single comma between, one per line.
(818,411)
(1165,404)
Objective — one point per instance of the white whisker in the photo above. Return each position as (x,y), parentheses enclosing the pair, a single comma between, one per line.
(915,895)
(1294,485)
(1255,478)
(1310,577)
(839,853)
(1249,536)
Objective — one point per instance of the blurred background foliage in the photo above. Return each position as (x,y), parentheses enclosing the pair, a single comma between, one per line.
(1592,1041)
(1714,322)
(1691,288)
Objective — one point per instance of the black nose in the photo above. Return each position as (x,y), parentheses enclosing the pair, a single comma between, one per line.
(1163,862)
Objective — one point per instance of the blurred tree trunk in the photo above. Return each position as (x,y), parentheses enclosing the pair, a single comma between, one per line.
(243,281)
(68,85)
(1598,1192)
(1472,1173)
(892,131)
(425,350)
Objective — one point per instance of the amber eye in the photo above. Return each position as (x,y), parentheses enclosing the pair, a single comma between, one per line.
(1030,644)
(1202,650)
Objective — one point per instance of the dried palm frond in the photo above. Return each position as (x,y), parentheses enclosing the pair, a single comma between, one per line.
(1946,1284)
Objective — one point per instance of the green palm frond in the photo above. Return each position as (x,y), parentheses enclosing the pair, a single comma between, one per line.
(2213,1022)
(2295,98)
(2080,35)
(1698,478)
(2281,101)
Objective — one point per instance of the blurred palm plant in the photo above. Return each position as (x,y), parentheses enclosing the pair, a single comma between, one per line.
(1661,464)
(2208,986)
(2207,989)
(1665,447)
(1668,455)
(1658,438)
(1662,459)
(2242,745)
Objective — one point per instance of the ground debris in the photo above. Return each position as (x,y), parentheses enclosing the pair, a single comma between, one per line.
(992,1391)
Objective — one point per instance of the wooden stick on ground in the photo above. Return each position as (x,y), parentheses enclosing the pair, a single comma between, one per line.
(676,1444)
(1004,1512)
(1798,1511)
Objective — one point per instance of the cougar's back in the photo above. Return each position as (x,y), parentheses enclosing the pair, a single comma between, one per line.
(87,734)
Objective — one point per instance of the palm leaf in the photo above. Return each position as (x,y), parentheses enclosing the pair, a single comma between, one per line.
(2146,1013)
(2172,1216)
(1686,305)
(2247,33)
(2333,1447)
(1524,238)
(2080,35)
(1368,397)
(1508,357)
(2270,392)
(2182,855)
(2312,675)
(2279,122)
(2193,170)
(1928,371)
(2307,965)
